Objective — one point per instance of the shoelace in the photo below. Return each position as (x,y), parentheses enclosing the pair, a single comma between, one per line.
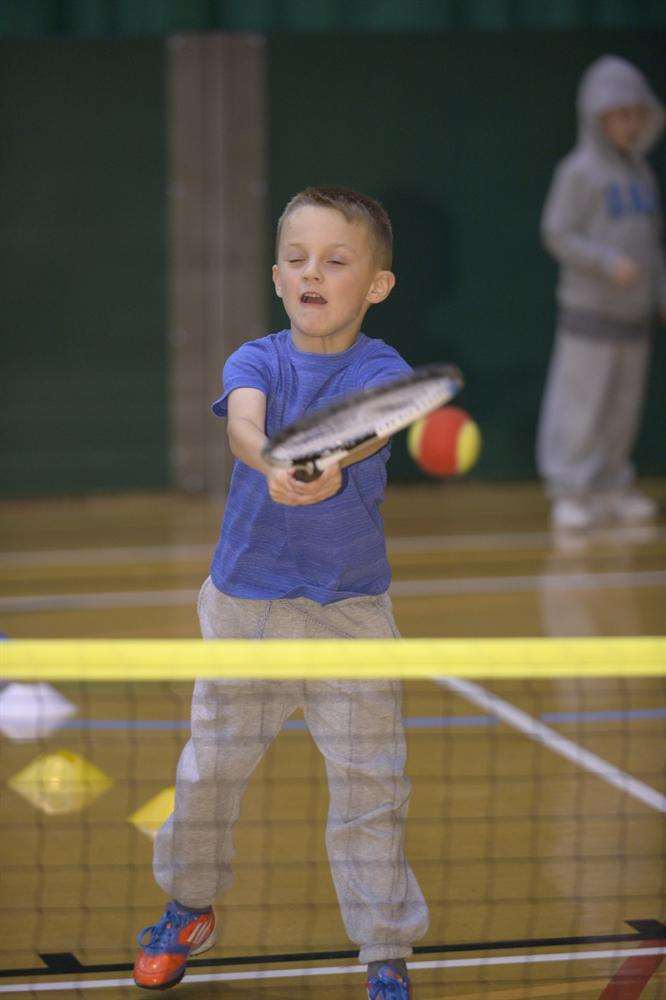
(158,932)
(381,988)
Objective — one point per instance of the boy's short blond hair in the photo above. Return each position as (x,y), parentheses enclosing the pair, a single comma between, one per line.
(355,207)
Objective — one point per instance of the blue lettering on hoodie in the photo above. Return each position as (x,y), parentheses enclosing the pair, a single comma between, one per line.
(629,199)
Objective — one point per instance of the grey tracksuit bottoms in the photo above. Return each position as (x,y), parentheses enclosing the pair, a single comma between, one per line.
(590,414)
(358,728)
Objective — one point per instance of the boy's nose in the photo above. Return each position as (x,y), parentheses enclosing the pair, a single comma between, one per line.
(312,271)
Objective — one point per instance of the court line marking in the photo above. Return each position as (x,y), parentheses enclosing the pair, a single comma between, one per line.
(554,741)
(399,588)
(344,970)
(536,990)
(520,584)
(573,544)
(604,715)
(396,544)
(411,722)
(111,556)
(632,977)
(98,602)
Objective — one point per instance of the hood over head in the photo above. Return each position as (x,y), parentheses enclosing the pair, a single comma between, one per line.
(612,82)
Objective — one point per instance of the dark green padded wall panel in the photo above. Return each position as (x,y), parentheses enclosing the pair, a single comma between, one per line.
(133,18)
(458,135)
(82,258)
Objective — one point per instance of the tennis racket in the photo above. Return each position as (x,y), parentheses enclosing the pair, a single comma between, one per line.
(327,436)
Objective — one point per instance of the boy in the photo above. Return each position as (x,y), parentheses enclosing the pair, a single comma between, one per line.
(301,560)
(602,223)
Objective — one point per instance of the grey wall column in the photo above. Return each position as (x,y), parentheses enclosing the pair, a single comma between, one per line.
(218,219)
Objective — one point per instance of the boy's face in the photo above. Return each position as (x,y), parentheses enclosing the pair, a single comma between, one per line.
(327,277)
(623,126)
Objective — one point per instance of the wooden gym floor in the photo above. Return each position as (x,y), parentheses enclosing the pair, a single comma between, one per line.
(532,866)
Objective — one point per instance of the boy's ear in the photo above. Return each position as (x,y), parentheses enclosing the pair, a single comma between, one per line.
(275,272)
(381,287)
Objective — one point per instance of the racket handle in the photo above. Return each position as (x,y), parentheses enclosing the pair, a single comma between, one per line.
(307,473)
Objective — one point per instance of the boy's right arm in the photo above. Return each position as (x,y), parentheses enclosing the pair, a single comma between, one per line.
(246,419)
(563,229)
(246,422)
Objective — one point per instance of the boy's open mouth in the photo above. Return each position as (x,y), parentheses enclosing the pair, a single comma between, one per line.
(313,299)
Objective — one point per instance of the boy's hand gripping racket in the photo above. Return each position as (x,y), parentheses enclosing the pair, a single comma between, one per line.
(327,436)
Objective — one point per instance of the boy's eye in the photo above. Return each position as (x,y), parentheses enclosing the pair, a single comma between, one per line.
(337,262)
(294,260)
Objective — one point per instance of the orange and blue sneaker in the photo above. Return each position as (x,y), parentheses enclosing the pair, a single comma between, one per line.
(388,981)
(180,933)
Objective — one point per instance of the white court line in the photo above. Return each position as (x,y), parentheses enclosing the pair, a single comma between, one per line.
(117,554)
(94,602)
(526,540)
(536,730)
(517,584)
(343,970)
(399,588)
(396,544)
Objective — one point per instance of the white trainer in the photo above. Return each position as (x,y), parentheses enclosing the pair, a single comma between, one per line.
(631,507)
(572,515)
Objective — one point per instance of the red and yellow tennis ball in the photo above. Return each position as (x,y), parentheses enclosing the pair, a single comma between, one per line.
(445,443)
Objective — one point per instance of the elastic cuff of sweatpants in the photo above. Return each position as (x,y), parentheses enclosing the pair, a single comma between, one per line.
(383,952)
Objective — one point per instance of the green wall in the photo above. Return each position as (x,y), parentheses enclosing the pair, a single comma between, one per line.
(458,135)
(132,18)
(82,257)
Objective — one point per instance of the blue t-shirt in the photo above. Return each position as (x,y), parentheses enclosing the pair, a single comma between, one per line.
(327,551)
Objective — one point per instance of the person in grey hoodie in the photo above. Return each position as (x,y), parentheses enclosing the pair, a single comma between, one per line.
(602,223)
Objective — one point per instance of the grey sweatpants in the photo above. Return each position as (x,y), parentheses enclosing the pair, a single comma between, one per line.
(590,414)
(358,728)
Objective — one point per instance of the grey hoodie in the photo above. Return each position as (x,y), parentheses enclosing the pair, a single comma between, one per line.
(603,205)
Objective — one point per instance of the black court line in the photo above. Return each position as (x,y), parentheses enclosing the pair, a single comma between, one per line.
(64,963)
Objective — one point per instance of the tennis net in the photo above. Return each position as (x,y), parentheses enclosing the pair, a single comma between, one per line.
(535,826)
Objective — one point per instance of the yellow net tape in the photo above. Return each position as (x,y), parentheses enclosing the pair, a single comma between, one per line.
(284,659)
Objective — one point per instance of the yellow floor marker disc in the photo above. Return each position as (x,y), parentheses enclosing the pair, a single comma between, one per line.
(149,818)
(59,783)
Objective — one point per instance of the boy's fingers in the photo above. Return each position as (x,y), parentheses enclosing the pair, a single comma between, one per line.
(283,482)
(303,487)
(284,488)
(325,488)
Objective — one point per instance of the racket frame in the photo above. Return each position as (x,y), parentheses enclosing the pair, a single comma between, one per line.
(310,466)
